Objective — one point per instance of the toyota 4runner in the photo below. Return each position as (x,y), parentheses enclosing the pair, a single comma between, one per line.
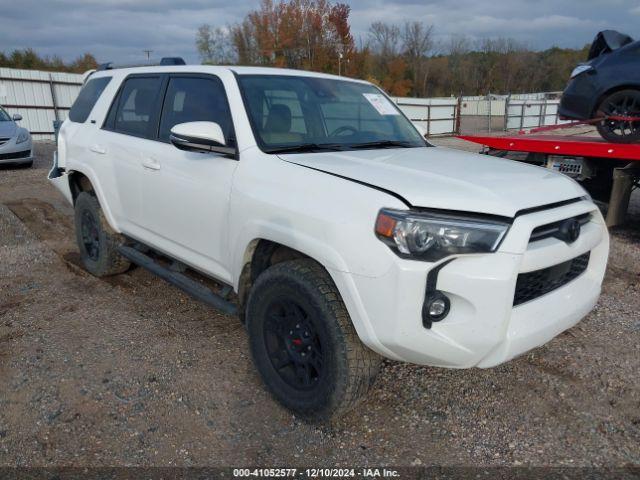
(329,225)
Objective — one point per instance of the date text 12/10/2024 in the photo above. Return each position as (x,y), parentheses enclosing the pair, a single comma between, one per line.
(316,472)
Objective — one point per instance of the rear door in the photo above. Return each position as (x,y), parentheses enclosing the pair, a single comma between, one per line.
(127,134)
(185,195)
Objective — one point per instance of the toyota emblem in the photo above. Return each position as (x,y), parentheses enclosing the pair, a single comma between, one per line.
(570,230)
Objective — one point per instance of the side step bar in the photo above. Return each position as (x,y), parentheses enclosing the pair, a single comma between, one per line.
(179,280)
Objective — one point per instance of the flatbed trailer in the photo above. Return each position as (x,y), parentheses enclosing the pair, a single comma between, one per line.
(608,171)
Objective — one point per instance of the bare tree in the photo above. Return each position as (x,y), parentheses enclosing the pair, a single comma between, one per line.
(417,41)
(460,66)
(385,39)
(214,45)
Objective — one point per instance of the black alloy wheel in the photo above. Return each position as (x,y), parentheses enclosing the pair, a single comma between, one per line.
(97,242)
(293,345)
(90,235)
(625,103)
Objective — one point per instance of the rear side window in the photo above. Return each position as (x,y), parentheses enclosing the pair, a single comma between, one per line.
(136,106)
(87,98)
(192,99)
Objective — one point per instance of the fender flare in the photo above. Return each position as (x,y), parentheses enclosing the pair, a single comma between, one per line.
(90,174)
(254,231)
(320,252)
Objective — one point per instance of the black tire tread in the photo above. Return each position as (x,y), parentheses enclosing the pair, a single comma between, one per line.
(362,364)
(111,262)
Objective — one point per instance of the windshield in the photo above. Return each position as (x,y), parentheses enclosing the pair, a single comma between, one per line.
(4,116)
(297,114)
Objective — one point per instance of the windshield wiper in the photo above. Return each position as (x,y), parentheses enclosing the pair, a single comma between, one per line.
(383,144)
(307,147)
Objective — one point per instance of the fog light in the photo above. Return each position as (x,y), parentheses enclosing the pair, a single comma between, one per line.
(436,307)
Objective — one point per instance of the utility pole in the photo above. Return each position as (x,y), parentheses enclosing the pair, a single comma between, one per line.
(340,63)
(148,53)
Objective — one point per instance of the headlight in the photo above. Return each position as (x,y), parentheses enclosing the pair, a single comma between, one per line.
(432,236)
(23,136)
(580,69)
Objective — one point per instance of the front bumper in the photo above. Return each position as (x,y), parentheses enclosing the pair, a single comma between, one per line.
(60,179)
(579,98)
(483,328)
(12,152)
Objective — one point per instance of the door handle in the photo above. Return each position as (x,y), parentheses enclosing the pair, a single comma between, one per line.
(151,164)
(98,149)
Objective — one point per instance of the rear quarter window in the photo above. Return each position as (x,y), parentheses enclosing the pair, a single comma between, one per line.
(87,98)
(135,108)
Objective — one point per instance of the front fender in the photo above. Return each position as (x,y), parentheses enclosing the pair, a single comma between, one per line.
(327,218)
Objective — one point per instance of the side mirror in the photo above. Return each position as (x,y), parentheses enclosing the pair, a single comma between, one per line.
(200,137)
(17,117)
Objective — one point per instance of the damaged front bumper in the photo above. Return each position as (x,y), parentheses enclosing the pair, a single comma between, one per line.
(60,179)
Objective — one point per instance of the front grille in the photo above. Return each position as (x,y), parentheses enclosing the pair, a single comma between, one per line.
(15,155)
(4,140)
(532,285)
(553,229)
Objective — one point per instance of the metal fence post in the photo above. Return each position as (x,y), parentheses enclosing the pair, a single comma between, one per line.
(489,109)
(53,98)
(457,114)
(428,120)
(506,111)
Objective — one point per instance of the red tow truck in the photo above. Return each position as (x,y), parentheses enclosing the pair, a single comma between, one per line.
(608,171)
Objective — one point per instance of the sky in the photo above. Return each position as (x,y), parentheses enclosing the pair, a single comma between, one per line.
(119,30)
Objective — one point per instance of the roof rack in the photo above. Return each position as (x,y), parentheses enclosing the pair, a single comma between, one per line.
(164,61)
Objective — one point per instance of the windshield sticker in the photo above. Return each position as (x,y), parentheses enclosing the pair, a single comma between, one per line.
(382,105)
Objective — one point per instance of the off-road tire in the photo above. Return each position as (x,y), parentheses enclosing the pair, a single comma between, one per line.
(349,368)
(621,103)
(107,260)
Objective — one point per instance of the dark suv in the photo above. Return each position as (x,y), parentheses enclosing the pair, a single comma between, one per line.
(608,84)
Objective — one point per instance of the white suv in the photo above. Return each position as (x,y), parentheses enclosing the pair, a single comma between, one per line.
(344,235)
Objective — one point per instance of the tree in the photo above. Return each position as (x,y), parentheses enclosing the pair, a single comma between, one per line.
(30,60)
(418,44)
(460,64)
(84,63)
(214,45)
(309,34)
(395,81)
(403,59)
(384,39)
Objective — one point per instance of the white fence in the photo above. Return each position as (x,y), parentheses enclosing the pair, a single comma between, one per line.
(521,114)
(438,116)
(482,106)
(40,97)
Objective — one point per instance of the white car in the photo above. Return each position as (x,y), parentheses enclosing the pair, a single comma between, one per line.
(344,234)
(15,141)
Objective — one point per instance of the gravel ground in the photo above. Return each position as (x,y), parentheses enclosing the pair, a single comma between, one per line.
(129,371)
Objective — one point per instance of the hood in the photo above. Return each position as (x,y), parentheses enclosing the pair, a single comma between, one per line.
(442,178)
(7,129)
(607,41)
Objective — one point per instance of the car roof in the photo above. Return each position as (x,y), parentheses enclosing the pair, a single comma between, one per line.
(239,70)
